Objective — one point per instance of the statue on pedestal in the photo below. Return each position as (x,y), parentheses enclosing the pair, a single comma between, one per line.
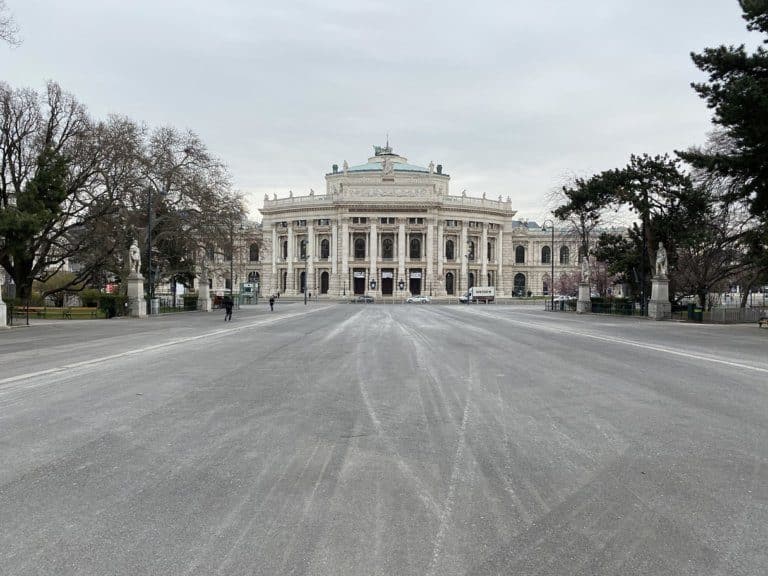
(134,258)
(661,261)
(585,279)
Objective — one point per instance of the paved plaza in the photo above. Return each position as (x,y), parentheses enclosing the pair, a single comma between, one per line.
(351,439)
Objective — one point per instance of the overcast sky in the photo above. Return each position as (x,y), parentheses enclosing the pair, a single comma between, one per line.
(511,97)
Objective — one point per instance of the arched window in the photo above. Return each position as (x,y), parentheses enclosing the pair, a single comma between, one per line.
(520,255)
(253,253)
(387,248)
(303,249)
(565,255)
(546,255)
(325,248)
(449,283)
(415,248)
(471,250)
(449,255)
(253,277)
(471,280)
(285,250)
(360,248)
(520,284)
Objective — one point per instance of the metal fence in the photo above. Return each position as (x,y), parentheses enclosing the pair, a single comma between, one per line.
(732,315)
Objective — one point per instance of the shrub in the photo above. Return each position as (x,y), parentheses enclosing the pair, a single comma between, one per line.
(90,297)
(112,304)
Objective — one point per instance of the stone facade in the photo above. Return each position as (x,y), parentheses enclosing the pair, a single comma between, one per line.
(390,228)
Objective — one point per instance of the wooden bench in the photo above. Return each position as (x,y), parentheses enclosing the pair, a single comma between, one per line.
(68,313)
(23,311)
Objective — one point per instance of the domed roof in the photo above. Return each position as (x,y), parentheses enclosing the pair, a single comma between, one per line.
(383,153)
(379,166)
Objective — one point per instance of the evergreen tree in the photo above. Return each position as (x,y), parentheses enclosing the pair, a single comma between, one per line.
(737,92)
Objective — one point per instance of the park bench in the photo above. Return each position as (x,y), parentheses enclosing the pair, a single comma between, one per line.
(69,313)
(23,311)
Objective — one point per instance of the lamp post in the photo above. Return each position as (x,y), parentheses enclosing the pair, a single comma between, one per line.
(151,278)
(552,262)
(304,257)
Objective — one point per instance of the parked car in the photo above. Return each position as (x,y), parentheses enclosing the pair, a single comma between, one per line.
(564,298)
(363,299)
(419,300)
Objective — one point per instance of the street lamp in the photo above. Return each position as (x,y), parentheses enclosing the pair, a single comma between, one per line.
(232,261)
(149,247)
(552,262)
(304,257)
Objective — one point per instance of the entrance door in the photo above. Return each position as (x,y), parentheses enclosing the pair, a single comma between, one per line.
(358,285)
(387,284)
(324,283)
(449,283)
(414,284)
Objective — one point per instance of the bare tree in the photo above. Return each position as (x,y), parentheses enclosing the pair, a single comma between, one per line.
(8,28)
(48,185)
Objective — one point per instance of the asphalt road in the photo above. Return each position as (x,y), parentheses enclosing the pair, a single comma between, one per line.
(373,439)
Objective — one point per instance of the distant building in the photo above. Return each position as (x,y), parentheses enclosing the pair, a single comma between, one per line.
(388,224)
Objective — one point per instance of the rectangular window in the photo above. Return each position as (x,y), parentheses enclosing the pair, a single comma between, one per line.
(452,223)
(324,222)
(415,220)
(387,220)
(359,220)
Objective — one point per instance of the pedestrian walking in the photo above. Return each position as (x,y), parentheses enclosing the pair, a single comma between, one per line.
(271,303)
(228,305)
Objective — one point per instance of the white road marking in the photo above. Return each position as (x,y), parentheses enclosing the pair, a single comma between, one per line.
(220,332)
(636,344)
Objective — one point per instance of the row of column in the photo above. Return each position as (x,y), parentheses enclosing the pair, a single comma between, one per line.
(373,253)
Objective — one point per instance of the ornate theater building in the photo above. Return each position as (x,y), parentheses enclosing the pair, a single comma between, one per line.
(391,228)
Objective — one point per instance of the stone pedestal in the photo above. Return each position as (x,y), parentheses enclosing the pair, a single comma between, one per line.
(584,303)
(204,296)
(137,306)
(3,314)
(659,308)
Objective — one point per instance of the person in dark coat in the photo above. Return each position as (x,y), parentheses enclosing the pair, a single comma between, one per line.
(228,305)
(271,303)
